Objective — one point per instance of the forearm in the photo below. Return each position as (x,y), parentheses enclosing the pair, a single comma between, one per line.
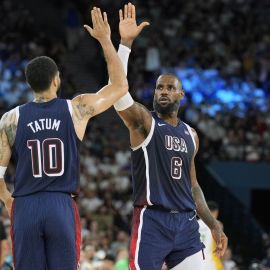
(123,53)
(3,251)
(202,208)
(5,195)
(114,65)
(125,101)
(126,42)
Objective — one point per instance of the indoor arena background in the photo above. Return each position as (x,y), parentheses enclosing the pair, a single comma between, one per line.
(220,49)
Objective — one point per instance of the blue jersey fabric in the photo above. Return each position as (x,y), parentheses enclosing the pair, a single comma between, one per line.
(46,149)
(161,167)
(45,232)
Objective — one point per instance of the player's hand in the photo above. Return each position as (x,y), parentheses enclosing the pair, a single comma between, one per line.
(128,27)
(8,205)
(101,28)
(220,239)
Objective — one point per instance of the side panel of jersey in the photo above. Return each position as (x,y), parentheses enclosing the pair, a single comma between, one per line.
(46,149)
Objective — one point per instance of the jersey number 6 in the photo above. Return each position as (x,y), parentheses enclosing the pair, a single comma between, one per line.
(47,157)
(176,168)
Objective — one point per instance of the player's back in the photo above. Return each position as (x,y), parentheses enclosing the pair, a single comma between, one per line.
(46,149)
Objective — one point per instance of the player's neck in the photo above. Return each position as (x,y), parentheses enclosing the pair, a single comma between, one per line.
(171,119)
(44,96)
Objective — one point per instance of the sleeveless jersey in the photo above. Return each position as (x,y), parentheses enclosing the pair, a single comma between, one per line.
(46,149)
(161,167)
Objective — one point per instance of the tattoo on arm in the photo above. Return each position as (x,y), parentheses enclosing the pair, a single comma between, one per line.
(201,207)
(136,118)
(82,110)
(85,111)
(11,128)
(3,144)
(8,126)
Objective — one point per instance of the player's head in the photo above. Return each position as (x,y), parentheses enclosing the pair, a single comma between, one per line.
(42,74)
(214,208)
(168,94)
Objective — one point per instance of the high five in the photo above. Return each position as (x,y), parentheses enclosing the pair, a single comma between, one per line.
(166,192)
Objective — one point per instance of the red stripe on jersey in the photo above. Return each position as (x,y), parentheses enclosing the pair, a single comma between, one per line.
(134,237)
(77,233)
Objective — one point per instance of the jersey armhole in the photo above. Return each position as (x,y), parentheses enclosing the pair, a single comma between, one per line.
(71,113)
(17,111)
(148,138)
(192,136)
(69,107)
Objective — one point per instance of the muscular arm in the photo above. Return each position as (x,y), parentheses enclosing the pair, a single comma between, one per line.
(8,126)
(202,208)
(88,105)
(138,120)
(136,117)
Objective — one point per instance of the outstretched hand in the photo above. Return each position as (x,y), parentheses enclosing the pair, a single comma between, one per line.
(220,239)
(128,27)
(101,28)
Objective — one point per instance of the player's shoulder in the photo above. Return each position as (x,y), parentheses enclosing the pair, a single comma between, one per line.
(194,134)
(190,127)
(193,130)
(8,116)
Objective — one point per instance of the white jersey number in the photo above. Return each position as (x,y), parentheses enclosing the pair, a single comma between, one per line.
(47,157)
(176,168)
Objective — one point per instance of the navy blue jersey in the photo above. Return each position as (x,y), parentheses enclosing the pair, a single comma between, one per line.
(161,167)
(46,149)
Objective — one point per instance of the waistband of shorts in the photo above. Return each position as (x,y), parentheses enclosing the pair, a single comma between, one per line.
(164,209)
(72,195)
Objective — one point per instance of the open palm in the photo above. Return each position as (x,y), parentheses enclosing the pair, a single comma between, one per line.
(128,27)
(101,28)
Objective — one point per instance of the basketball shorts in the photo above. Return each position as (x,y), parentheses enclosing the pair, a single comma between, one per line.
(160,236)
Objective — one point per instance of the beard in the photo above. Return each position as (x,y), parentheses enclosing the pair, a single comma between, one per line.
(167,109)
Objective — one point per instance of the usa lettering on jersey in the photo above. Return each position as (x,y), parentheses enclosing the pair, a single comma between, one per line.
(175,144)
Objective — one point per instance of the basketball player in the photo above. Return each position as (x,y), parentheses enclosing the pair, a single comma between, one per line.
(166,193)
(44,136)
(212,261)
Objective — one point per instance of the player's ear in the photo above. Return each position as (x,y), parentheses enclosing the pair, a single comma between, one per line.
(182,93)
(55,80)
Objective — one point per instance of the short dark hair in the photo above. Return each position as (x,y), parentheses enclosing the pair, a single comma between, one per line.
(172,75)
(212,205)
(39,73)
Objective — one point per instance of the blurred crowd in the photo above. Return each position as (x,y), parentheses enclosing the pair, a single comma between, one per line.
(229,36)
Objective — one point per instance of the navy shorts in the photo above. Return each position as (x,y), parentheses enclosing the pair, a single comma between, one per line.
(159,236)
(45,232)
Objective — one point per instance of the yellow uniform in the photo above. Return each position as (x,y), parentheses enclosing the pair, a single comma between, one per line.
(212,262)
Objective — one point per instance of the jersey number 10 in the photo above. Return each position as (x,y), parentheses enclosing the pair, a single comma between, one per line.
(47,157)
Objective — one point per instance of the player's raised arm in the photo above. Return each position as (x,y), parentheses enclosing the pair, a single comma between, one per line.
(88,105)
(8,125)
(136,117)
(203,210)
